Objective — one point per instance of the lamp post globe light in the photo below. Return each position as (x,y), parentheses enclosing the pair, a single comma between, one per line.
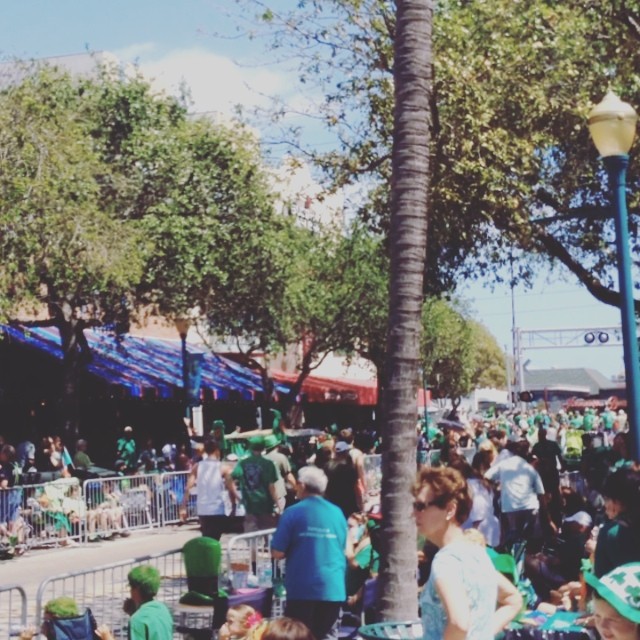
(612,125)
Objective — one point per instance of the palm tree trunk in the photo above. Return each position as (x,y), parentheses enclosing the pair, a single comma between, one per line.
(408,238)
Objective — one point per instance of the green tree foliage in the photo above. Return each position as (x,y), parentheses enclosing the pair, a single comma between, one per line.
(490,370)
(458,353)
(113,203)
(513,85)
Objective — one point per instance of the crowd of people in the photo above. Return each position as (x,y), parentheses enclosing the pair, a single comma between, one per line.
(559,494)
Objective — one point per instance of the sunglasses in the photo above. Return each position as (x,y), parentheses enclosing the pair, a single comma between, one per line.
(420,506)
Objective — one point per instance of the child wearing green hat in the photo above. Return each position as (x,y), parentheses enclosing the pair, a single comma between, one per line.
(616,602)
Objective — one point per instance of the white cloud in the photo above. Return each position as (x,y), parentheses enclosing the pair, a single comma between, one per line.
(216,83)
(135,51)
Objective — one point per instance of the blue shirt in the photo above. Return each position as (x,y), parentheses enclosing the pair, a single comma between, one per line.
(312,534)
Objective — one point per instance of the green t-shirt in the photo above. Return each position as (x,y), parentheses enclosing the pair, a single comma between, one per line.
(152,621)
(608,418)
(254,475)
(81,460)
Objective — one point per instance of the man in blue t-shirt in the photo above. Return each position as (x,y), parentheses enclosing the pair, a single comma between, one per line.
(312,536)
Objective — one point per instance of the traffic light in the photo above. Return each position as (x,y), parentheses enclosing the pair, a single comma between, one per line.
(525,396)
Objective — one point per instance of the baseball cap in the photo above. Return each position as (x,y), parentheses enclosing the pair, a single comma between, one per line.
(128,429)
(342,447)
(620,588)
(581,517)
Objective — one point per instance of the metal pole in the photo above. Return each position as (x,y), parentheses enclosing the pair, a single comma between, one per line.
(185,374)
(617,170)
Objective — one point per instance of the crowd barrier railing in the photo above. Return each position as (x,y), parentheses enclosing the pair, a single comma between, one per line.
(249,554)
(104,589)
(13,610)
(170,492)
(120,504)
(64,510)
(45,514)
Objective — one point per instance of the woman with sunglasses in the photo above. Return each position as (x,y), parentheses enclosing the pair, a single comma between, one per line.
(465,598)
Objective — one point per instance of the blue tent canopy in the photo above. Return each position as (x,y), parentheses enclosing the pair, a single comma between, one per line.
(148,365)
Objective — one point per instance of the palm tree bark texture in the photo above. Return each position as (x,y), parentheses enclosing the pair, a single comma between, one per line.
(413,78)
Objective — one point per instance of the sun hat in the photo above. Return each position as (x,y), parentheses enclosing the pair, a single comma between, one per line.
(621,589)
(581,517)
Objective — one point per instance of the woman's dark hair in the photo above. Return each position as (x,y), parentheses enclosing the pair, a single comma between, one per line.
(287,629)
(623,485)
(446,484)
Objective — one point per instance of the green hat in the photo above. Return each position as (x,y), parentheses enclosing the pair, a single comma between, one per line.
(271,441)
(621,589)
(62,607)
(256,443)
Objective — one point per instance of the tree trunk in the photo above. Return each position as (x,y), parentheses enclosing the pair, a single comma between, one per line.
(75,352)
(408,236)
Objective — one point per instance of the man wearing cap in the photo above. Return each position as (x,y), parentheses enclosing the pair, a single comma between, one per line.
(257,478)
(126,448)
(283,467)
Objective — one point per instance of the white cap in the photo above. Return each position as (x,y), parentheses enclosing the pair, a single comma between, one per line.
(581,517)
(342,446)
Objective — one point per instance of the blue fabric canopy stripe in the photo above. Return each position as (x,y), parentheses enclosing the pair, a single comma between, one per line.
(140,365)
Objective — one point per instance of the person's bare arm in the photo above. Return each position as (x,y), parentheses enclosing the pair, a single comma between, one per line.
(509,604)
(230,485)
(291,479)
(104,633)
(191,482)
(274,496)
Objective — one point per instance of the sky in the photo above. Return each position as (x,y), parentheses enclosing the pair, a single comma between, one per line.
(197,42)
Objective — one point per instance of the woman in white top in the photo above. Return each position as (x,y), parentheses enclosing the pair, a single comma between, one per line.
(465,597)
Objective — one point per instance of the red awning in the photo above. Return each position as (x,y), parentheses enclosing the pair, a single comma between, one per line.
(339,390)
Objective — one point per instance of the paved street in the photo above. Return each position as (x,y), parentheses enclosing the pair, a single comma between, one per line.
(31,569)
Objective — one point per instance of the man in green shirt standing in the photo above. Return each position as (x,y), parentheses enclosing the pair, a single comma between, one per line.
(257,476)
(126,449)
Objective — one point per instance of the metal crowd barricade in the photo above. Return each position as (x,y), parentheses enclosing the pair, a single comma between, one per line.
(50,513)
(170,492)
(103,589)
(119,504)
(250,554)
(13,610)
